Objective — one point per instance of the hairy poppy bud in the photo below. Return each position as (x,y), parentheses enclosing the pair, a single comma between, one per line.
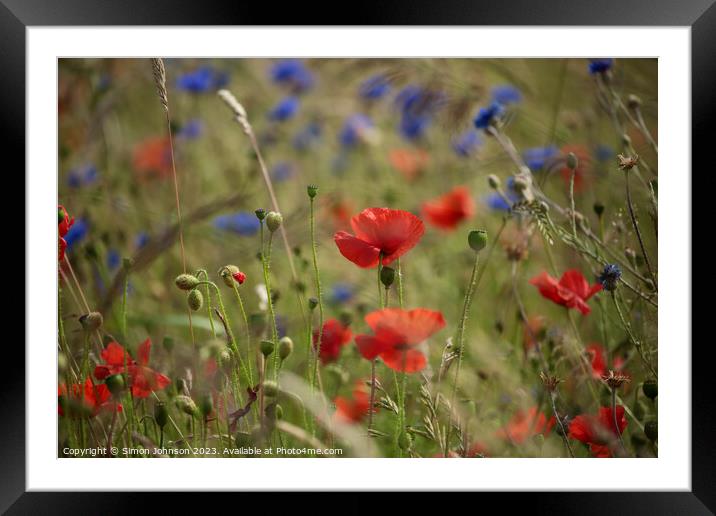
(650,389)
(493,181)
(168,344)
(115,384)
(227,275)
(387,276)
(285,347)
(266,347)
(195,300)
(186,404)
(651,430)
(186,281)
(206,404)
(598,209)
(260,214)
(273,221)
(312,303)
(572,161)
(161,414)
(270,388)
(91,321)
(477,240)
(312,191)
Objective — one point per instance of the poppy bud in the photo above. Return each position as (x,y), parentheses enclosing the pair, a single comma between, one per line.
(572,161)
(161,414)
(62,363)
(285,347)
(266,347)
(115,384)
(186,405)
(387,276)
(186,281)
(633,101)
(273,221)
(242,439)
(477,240)
(404,440)
(493,181)
(206,404)
(651,430)
(91,321)
(312,191)
(270,388)
(312,303)
(598,209)
(260,214)
(227,274)
(224,356)
(195,300)
(650,389)
(168,344)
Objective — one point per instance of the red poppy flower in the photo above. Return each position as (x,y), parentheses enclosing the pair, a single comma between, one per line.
(334,337)
(583,161)
(600,431)
(379,230)
(477,449)
(397,333)
(153,157)
(142,379)
(597,354)
(409,162)
(353,410)
(524,425)
(64,224)
(572,290)
(239,277)
(87,400)
(449,210)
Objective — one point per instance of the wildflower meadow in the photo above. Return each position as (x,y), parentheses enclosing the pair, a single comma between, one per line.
(408,258)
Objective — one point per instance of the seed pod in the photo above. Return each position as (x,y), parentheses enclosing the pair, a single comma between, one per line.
(266,347)
(161,414)
(273,221)
(312,191)
(477,240)
(115,383)
(650,389)
(195,299)
(598,209)
(572,161)
(285,347)
(91,321)
(260,214)
(312,303)
(387,276)
(186,281)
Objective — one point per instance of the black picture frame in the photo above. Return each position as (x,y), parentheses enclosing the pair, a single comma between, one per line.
(700,15)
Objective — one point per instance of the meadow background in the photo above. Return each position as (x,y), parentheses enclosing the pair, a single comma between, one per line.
(368,133)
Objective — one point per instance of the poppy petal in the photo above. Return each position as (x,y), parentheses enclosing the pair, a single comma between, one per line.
(143,351)
(356,250)
(412,360)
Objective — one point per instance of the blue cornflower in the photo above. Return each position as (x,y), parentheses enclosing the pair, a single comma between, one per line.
(486,115)
(77,233)
(537,158)
(375,87)
(282,171)
(497,203)
(341,292)
(284,110)
(603,153)
(465,144)
(141,239)
(202,79)
(242,223)
(82,176)
(506,94)
(417,106)
(113,259)
(609,278)
(292,73)
(600,65)
(191,130)
(307,137)
(353,129)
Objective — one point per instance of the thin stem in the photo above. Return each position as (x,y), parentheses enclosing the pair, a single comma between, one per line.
(571,200)
(563,431)
(616,423)
(630,334)
(400,284)
(319,290)
(638,232)
(248,330)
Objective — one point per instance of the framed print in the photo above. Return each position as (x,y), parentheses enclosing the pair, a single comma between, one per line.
(360,258)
